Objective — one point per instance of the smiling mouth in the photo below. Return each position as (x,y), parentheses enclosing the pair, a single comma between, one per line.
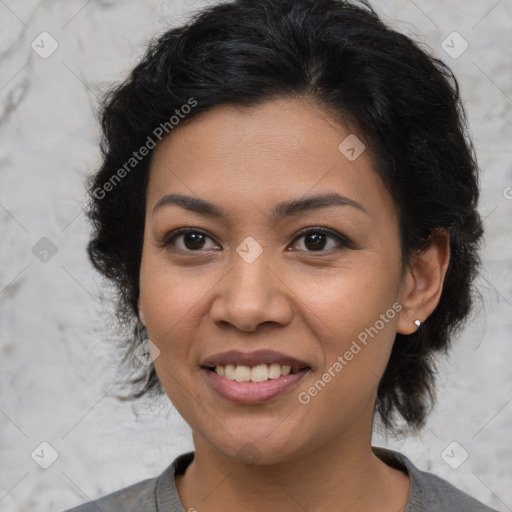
(258,373)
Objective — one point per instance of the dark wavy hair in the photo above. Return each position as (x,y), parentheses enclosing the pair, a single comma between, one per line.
(404,101)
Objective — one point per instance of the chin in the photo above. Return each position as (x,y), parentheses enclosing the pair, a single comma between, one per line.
(256,451)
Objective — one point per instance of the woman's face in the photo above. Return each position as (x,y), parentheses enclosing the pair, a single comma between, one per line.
(245,280)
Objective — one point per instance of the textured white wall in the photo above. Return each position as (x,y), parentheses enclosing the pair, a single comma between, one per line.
(56,367)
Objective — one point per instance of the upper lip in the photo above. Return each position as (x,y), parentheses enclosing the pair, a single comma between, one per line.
(255,358)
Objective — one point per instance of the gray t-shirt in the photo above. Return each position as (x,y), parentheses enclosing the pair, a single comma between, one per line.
(428,493)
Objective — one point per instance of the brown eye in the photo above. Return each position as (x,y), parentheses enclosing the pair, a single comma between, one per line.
(316,239)
(192,240)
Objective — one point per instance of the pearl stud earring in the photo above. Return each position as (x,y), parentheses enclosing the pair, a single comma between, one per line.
(417,322)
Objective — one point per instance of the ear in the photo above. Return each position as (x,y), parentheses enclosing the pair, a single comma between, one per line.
(422,282)
(141,314)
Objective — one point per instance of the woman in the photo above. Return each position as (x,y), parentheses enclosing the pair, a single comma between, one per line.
(287,206)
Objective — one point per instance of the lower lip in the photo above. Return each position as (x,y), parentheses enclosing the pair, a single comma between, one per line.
(251,392)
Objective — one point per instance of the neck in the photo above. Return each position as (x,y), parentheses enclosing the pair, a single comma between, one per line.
(342,475)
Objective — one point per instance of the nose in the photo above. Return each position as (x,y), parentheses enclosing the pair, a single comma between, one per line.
(251,294)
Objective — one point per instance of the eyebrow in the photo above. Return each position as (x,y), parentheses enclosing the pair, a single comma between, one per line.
(280,211)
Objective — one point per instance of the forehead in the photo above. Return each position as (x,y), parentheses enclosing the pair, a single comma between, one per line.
(279,149)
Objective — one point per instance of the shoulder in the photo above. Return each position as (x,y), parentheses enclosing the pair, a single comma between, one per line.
(151,495)
(134,498)
(436,493)
(429,492)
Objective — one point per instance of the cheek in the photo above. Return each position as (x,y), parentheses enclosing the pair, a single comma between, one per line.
(167,296)
(355,355)
(168,306)
(166,302)
(355,327)
(346,305)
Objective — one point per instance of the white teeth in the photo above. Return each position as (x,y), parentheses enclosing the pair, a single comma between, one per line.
(285,370)
(229,371)
(242,373)
(274,371)
(259,373)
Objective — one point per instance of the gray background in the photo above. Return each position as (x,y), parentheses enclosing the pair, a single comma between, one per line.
(57,369)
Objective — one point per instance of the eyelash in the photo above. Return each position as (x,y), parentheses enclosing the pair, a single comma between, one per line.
(342,241)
